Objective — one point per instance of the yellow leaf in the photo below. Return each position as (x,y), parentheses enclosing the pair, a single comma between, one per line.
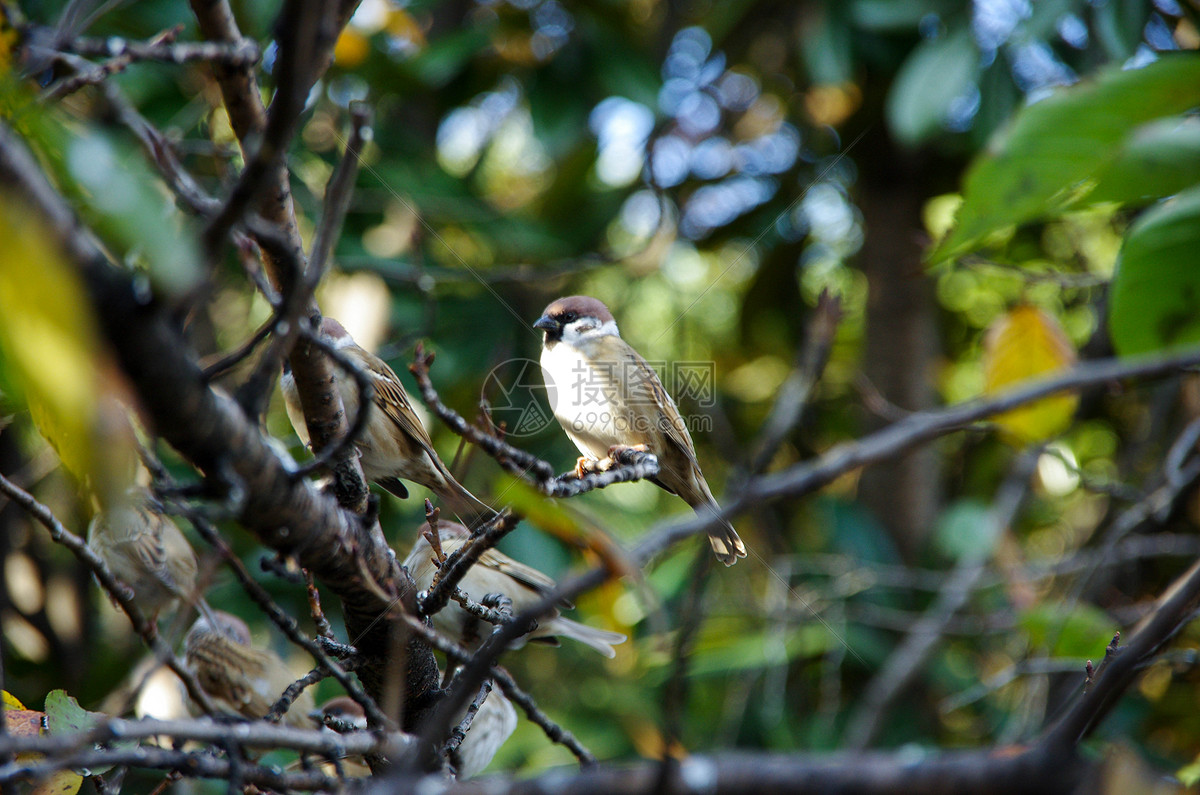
(403,25)
(48,341)
(8,41)
(351,49)
(1027,344)
(22,722)
(64,782)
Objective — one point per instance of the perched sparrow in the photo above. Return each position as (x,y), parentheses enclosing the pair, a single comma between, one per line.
(394,443)
(606,396)
(237,676)
(497,573)
(147,552)
(344,714)
(493,724)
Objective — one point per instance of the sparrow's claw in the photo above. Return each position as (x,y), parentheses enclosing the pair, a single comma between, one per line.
(498,602)
(620,453)
(585,465)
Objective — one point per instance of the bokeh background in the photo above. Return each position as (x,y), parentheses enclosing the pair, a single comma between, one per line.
(707,169)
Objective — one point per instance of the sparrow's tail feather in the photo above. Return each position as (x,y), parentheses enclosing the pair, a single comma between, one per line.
(468,508)
(599,639)
(726,543)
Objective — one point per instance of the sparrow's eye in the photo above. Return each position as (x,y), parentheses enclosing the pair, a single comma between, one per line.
(567,317)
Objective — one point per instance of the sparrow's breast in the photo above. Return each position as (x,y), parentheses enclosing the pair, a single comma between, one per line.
(584,394)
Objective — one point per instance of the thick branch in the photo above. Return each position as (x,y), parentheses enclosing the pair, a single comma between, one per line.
(210,430)
(1032,771)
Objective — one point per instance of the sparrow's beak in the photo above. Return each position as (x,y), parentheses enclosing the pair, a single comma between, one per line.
(547,323)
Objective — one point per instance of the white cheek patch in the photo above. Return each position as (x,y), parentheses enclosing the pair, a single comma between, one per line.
(585,328)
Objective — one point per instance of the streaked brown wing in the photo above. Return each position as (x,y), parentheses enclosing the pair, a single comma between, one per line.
(645,386)
(394,401)
(527,576)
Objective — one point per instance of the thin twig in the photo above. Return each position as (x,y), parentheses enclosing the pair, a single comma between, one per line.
(341,448)
(794,395)
(459,562)
(450,749)
(905,661)
(285,622)
(631,464)
(241,53)
(121,593)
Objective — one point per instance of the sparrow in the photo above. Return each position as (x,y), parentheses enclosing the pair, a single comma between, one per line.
(237,676)
(393,444)
(497,573)
(146,551)
(343,714)
(492,725)
(606,397)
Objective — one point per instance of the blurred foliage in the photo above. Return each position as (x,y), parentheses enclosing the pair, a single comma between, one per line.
(696,166)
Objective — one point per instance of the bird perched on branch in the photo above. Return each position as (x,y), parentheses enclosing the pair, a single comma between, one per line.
(237,676)
(394,445)
(606,397)
(145,550)
(492,725)
(497,573)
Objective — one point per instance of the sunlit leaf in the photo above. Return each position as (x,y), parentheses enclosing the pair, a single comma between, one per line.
(1024,344)
(1081,631)
(1190,774)
(1056,149)
(8,41)
(351,49)
(22,722)
(723,648)
(1155,293)
(1157,159)
(47,342)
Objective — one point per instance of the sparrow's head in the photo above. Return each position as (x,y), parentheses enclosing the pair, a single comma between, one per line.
(341,709)
(335,332)
(576,318)
(227,624)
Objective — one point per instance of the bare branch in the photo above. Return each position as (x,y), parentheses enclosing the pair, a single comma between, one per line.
(212,432)
(120,592)
(631,464)
(903,664)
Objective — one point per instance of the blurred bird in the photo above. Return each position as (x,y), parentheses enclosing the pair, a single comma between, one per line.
(146,551)
(238,677)
(497,573)
(343,714)
(606,397)
(493,724)
(394,444)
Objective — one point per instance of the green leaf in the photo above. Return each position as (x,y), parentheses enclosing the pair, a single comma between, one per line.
(966,531)
(1053,155)
(938,72)
(1156,160)
(1155,297)
(65,716)
(1085,631)
(720,650)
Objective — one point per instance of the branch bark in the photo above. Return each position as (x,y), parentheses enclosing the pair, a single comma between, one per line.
(210,430)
